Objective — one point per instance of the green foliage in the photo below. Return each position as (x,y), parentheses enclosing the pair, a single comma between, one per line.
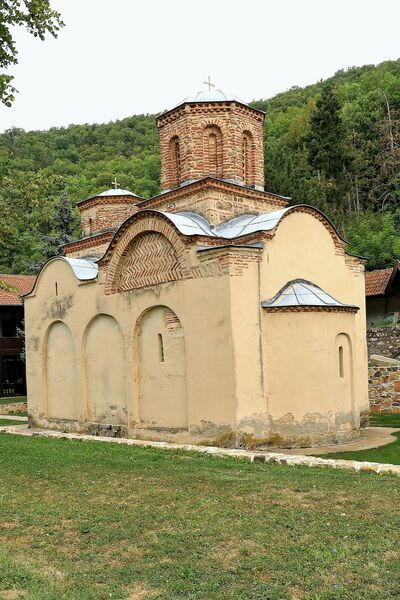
(63,225)
(334,145)
(38,18)
(375,235)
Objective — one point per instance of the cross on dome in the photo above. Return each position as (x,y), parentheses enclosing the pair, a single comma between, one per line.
(208,82)
(115,183)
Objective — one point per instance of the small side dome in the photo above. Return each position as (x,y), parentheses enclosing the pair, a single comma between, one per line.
(116,192)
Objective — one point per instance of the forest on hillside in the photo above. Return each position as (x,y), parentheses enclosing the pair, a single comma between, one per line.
(334,145)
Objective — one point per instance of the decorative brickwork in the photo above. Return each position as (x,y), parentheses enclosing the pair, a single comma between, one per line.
(217,201)
(218,139)
(95,246)
(148,260)
(336,309)
(106,213)
(125,242)
(171,321)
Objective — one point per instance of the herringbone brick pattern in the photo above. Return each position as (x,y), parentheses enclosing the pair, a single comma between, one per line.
(149,260)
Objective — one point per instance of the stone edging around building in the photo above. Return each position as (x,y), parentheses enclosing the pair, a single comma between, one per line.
(259,457)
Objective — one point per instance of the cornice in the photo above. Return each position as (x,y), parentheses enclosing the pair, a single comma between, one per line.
(214,184)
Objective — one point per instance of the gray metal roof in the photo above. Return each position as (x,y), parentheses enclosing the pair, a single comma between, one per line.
(83,269)
(116,192)
(211,96)
(300,292)
(189,223)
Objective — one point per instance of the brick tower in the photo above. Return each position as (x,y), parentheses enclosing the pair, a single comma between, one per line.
(212,135)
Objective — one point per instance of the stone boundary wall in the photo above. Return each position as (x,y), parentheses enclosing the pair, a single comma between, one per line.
(384,389)
(259,457)
(384,340)
(5,409)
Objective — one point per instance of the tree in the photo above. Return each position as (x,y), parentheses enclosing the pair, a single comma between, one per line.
(38,18)
(63,227)
(325,139)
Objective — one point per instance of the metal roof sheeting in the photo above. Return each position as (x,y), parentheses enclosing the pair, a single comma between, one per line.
(300,292)
(117,192)
(192,224)
(84,270)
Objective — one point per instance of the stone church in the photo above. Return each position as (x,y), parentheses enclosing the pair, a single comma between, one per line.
(214,312)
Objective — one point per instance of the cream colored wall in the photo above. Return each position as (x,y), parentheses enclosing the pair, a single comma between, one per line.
(302,248)
(202,306)
(238,374)
(306,395)
(161,370)
(59,373)
(105,393)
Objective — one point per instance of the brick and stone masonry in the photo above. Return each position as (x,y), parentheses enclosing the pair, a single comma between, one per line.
(384,389)
(197,140)
(384,341)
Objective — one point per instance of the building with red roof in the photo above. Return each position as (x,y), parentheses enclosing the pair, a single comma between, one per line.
(12,367)
(382,291)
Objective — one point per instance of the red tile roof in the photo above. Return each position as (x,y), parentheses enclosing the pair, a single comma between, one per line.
(376,282)
(19,285)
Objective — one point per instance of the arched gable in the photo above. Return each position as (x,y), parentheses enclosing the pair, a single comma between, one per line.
(337,239)
(146,251)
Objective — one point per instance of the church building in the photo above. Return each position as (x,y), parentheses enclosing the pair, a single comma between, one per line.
(213,313)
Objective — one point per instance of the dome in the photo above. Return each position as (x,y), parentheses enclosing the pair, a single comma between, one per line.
(116,192)
(211,96)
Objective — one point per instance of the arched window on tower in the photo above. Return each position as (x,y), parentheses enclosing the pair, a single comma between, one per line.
(175,161)
(212,152)
(248,158)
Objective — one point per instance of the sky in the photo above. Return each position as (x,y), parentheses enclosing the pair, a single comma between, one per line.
(115,59)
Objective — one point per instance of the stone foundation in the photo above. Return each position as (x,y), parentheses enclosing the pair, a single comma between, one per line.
(222,436)
(384,389)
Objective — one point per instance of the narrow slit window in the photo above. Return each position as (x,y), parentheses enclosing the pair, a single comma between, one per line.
(341,362)
(160,348)
(56,286)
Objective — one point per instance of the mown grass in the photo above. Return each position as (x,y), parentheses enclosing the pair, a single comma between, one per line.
(11,422)
(92,521)
(12,399)
(380,420)
(385,454)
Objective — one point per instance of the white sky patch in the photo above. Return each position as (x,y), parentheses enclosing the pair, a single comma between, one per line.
(116,59)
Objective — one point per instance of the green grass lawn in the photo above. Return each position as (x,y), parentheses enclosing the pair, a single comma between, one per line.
(93,521)
(385,454)
(18,413)
(12,399)
(10,422)
(379,420)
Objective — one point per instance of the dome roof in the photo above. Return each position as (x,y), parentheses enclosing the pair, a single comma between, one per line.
(211,96)
(117,192)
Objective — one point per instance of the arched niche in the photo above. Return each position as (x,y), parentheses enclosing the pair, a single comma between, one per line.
(212,151)
(248,158)
(105,371)
(175,161)
(161,369)
(60,373)
(344,373)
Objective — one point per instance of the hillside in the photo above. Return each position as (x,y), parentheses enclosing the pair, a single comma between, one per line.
(334,144)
